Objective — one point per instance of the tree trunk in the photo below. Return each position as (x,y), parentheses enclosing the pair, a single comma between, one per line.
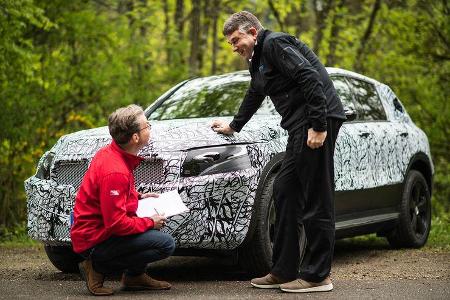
(321,10)
(299,20)
(203,47)
(195,38)
(128,7)
(276,14)
(358,65)
(334,36)
(143,28)
(215,11)
(166,33)
(179,18)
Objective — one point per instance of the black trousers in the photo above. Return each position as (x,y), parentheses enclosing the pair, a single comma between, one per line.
(304,197)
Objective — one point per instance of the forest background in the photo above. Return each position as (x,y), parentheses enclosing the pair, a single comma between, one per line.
(65,65)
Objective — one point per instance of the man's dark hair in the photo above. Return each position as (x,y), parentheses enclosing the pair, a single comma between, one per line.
(241,21)
(123,123)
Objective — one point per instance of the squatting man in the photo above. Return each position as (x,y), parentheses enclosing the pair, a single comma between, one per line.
(106,230)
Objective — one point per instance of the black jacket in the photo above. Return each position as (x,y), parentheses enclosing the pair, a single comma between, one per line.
(285,69)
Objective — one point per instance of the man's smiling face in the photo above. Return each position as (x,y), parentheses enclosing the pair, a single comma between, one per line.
(243,43)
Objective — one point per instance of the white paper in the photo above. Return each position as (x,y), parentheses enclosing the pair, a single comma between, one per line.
(169,204)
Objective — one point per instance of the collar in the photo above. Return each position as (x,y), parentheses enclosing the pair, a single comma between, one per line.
(253,52)
(131,160)
(261,37)
(257,49)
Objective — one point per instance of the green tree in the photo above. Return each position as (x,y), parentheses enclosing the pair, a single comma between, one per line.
(65,65)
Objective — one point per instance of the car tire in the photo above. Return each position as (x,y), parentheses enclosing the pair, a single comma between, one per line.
(414,221)
(255,256)
(63,258)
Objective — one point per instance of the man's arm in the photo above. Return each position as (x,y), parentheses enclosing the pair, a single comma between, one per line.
(114,190)
(252,101)
(291,63)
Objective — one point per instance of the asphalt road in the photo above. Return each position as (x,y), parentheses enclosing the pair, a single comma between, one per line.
(344,289)
(359,272)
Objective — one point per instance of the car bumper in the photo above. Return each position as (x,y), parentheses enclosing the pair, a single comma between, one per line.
(49,206)
(220,209)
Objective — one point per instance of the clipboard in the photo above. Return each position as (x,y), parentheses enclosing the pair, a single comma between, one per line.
(169,204)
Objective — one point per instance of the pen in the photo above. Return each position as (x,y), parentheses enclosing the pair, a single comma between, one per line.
(156,211)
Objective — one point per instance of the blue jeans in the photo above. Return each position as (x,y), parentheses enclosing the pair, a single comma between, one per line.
(130,253)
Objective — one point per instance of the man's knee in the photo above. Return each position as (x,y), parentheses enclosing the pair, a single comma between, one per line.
(165,244)
(169,245)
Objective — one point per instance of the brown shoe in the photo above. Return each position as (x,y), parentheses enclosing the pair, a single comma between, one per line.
(94,280)
(269,281)
(143,282)
(302,286)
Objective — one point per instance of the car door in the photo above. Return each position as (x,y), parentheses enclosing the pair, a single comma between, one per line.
(375,138)
(349,153)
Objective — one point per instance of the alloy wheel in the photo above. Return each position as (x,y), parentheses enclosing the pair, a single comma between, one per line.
(419,209)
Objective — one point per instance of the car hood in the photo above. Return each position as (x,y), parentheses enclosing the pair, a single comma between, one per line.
(171,135)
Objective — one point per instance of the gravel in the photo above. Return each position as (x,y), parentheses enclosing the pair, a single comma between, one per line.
(360,270)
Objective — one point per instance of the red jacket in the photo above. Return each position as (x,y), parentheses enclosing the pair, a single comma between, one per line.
(106,202)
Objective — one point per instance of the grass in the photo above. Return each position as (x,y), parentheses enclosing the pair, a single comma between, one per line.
(438,240)
(440,233)
(16,237)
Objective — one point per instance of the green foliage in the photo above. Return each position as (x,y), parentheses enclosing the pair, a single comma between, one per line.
(15,236)
(18,82)
(65,65)
(439,238)
(440,232)
(441,190)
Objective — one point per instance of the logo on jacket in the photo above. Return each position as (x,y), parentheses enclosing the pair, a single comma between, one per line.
(261,68)
(114,193)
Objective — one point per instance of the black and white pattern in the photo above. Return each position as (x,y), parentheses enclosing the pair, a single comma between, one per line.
(220,204)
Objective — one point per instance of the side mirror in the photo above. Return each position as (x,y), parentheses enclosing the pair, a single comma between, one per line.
(350,113)
(398,106)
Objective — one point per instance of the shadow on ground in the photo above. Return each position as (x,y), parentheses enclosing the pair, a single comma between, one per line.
(184,268)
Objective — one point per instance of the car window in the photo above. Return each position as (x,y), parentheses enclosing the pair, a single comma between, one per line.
(199,98)
(266,108)
(208,97)
(368,104)
(344,92)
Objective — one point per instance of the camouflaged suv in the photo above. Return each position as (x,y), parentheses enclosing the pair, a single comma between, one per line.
(383,171)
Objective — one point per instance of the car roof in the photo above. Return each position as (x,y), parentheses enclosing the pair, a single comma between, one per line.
(339,71)
(330,70)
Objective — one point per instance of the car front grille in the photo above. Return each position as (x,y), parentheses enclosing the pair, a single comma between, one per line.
(70,172)
(149,171)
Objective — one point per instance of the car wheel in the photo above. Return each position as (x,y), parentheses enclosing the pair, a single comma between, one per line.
(255,256)
(415,214)
(63,258)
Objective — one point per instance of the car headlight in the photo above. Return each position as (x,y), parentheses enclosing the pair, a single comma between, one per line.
(43,167)
(213,160)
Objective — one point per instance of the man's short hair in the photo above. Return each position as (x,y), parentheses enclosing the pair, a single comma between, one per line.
(123,123)
(243,21)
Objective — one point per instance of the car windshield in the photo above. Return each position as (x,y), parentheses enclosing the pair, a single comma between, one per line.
(215,96)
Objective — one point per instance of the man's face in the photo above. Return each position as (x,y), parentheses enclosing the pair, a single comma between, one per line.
(243,43)
(144,132)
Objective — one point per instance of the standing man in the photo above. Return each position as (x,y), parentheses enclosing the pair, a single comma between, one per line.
(106,230)
(285,69)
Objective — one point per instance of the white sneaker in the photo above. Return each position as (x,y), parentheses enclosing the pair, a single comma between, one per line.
(302,286)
